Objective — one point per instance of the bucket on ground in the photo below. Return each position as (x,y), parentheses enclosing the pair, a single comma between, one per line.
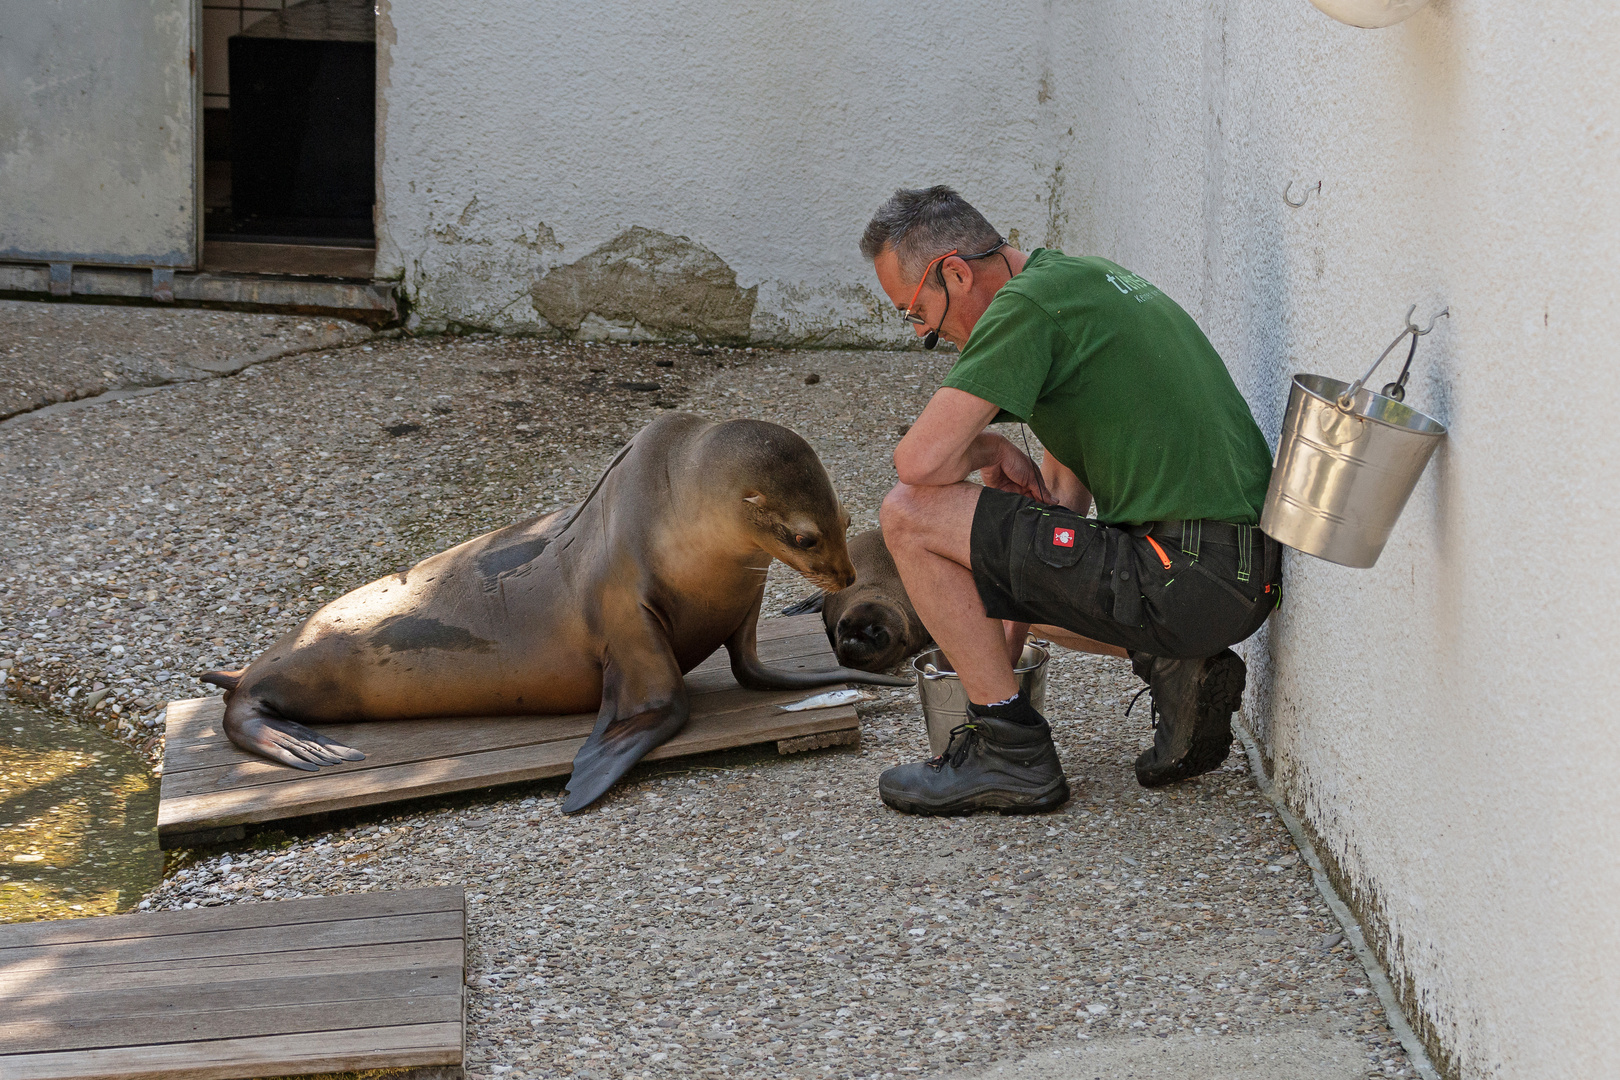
(1347,462)
(945,703)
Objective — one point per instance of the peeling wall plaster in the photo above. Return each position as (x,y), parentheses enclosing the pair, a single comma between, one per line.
(646,285)
(764,133)
(1445,720)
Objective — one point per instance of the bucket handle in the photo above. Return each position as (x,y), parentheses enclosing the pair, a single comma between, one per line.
(933,674)
(1348,399)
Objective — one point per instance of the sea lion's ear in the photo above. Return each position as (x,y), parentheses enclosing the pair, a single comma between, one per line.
(755,497)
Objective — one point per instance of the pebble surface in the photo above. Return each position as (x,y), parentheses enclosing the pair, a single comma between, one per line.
(740,914)
(52,353)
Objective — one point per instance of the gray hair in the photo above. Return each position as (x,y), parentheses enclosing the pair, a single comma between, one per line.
(918,224)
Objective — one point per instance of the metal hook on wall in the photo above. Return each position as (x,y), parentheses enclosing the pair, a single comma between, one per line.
(1304,197)
(1443,313)
(1396,389)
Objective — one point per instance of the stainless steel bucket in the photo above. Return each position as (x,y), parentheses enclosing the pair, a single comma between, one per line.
(1347,462)
(945,703)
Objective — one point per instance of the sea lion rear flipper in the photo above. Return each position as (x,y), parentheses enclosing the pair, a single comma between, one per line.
(251,725)
(750,672)
(809,604)
(643,705)
(226,679)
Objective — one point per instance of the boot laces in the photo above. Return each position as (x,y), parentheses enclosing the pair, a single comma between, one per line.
(1153,705)
(968,734)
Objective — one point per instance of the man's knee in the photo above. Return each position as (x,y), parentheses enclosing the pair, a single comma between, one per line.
(897,515)
(907,515)
(895,512)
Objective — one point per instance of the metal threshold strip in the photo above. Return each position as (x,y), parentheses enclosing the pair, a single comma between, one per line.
(370,302)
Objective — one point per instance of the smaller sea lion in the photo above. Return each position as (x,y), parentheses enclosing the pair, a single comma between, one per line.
(871,624)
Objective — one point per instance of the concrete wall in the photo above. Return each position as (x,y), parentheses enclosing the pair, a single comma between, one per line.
(1445,721)
(99,109)
(517,137)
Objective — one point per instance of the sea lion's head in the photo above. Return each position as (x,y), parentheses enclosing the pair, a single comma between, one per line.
(871,633)
(783,497)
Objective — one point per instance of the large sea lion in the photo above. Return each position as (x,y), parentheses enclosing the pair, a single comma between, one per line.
(871,624)
(604,605)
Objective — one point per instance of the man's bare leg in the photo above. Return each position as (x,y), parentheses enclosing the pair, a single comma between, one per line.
(1059,636)
(1007,760)
(929,531)
(1017,634)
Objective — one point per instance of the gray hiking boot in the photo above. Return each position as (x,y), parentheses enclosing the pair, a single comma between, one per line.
(1193,703)
(990,764)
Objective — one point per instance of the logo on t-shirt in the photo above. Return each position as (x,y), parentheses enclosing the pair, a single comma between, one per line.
(1062,537)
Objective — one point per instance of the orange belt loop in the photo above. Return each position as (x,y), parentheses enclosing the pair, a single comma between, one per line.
(1162,556)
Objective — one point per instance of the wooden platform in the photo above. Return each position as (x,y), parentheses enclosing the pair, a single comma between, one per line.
(211,790)
(367,981)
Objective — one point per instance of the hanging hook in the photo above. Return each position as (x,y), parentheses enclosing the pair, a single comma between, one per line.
(1304,197)
(1443,313)
(1347,399)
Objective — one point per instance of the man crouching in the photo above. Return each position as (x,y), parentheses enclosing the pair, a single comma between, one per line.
(1138,413)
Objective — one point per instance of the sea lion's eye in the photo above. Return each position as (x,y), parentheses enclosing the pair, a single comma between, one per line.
(802,541)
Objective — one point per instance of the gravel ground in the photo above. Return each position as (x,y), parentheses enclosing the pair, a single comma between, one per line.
(736,915)
(51,353)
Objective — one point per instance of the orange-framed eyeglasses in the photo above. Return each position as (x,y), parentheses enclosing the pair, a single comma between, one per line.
(909,312)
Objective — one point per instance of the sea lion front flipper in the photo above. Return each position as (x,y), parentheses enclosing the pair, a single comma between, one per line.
(643,705)
(251,726)
(811,603)
(751,672)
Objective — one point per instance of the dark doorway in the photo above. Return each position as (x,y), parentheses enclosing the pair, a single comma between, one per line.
(301,144)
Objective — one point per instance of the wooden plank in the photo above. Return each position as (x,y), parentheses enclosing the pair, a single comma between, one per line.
(22,980)
(175,948)
(377,999)
(209,784)
(234,1059)
(366,981)
(304,912)
(335,789)
(402,742)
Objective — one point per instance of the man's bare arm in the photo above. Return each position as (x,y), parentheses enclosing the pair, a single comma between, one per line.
(948,442)
(1064,486)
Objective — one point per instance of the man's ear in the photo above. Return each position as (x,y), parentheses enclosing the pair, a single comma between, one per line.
(959,269)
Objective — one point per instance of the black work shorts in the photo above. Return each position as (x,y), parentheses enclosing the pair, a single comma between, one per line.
(1047,564)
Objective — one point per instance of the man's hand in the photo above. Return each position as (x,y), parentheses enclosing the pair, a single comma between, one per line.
(1011,470)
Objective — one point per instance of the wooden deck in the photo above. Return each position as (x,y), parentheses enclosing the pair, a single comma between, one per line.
(211,790)
(366,981)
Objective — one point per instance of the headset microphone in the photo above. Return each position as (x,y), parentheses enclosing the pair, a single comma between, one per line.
(930,339)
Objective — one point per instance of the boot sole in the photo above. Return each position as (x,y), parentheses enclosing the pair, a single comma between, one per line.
(1050,797)
(1221,694)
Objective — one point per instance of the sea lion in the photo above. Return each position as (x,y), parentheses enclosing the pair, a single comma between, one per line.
(871,624)
(604,605)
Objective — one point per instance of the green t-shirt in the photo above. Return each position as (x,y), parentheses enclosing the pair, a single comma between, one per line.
(1121,386)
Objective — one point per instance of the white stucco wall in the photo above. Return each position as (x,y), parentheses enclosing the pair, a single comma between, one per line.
(1445,721)
(516,136)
